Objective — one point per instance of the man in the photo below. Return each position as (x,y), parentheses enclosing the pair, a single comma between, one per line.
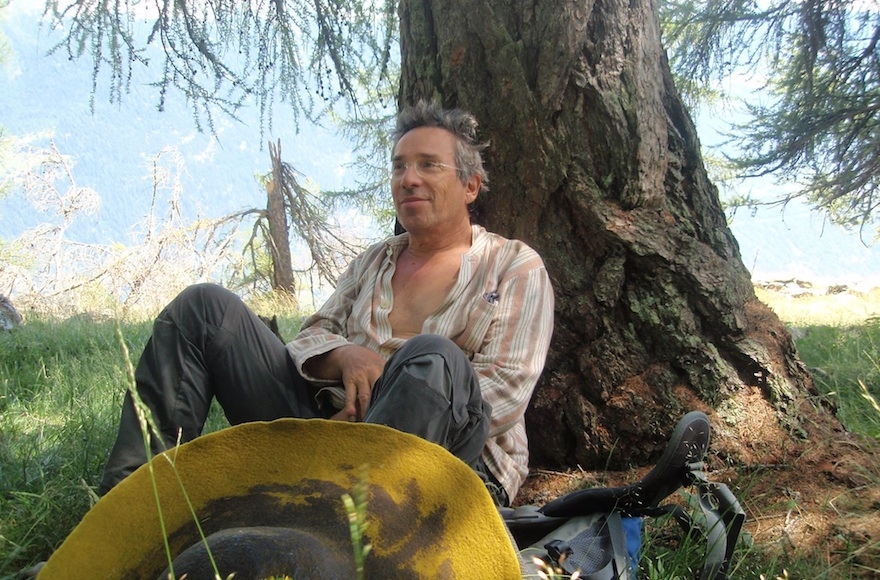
(441,331)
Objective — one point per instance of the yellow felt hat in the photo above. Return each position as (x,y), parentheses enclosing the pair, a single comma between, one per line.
(278,486)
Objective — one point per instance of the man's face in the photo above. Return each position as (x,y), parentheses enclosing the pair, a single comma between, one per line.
(428,193)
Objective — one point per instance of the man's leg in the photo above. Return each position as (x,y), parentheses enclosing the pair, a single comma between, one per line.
(205,343)
(430,389)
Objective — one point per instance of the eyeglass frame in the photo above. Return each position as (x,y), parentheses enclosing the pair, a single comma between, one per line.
(399,168)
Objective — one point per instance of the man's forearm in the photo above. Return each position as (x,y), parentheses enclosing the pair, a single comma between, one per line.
(325,366)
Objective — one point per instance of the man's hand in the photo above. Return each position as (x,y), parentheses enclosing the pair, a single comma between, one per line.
(358,368)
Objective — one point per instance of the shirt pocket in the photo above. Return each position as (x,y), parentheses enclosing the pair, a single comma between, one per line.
(477,320)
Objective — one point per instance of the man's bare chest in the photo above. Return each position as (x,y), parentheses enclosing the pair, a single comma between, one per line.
(419,291)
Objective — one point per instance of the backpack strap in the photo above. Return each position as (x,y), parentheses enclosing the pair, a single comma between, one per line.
(722,521)
(683,454)
(527,524)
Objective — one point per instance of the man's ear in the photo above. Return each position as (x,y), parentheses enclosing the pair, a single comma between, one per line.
(473,188)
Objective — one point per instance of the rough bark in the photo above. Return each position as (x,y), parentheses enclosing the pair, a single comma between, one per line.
(595,162)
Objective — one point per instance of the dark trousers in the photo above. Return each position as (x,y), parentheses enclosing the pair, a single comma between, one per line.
(206,343)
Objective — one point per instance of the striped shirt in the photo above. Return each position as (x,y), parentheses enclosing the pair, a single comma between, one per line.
(499,312)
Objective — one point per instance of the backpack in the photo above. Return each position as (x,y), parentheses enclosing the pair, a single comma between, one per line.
(597,532)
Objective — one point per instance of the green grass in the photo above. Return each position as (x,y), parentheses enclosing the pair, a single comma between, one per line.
(838,338)
(58,391)
(845,364)
(61,388)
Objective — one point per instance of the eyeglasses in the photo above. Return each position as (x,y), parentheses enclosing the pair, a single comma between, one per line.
(424,168)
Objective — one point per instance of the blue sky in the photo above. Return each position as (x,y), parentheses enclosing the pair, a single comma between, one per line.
(112,150)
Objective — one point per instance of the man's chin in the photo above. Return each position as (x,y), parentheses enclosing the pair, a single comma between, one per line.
(411,221)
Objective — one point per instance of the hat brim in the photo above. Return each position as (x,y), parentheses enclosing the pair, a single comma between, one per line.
(428,514)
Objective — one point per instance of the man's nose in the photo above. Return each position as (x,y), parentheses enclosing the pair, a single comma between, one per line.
(410,176)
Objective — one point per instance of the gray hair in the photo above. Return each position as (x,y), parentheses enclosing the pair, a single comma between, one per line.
(463,125)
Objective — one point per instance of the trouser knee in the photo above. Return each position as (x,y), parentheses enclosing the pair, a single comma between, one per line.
(204,297)
(430,389)
(200,308)
(431,345)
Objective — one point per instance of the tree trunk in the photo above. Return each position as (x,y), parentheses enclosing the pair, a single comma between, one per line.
(595,162)
(279,232)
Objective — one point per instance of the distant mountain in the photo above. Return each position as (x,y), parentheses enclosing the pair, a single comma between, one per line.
(113,148)
(779,244)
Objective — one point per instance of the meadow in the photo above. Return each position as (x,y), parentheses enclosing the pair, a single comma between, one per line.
(62,383)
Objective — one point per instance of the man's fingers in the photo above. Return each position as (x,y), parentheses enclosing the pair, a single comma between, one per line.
(342,415)
(363,402)
(351,396)
(361,368)
(357,396)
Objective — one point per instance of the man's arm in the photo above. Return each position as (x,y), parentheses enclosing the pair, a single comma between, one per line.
(509,362)
(323,351)
(514,350)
